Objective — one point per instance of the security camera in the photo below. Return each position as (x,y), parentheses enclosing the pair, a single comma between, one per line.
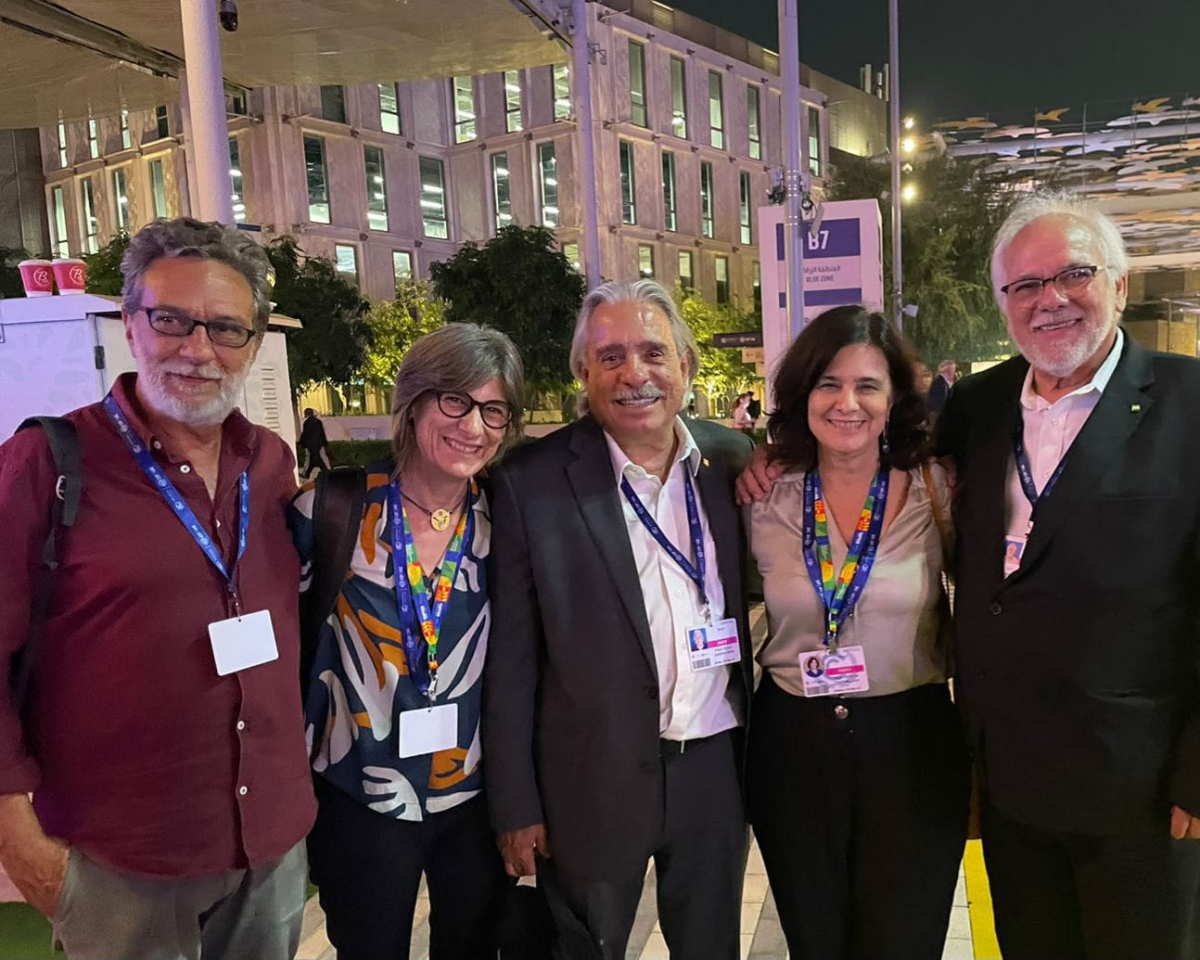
(228,15)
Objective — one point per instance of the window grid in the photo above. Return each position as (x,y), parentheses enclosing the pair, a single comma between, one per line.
(91,223)
(158,188)
(62,144)
(377,211)
(678,98)
(433,199)
(501,191)
(753,122)
(121,199)
(645,261)
(637,84)
(548,180)
(389,109)
(628,187)
(345,256)
(561,74)
(402,270)
(722,271)
(706,199)
(93,139)
(747,227)
(62,242)
(512,101)
(162,122)
(464,109)
(333,103)
(318,180)
(668,185)
(235,178)
(686,276)
(814,141)
(716,111)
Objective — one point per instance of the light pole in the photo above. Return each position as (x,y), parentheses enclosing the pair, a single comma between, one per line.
(209,132)
(794,163)
(894,104)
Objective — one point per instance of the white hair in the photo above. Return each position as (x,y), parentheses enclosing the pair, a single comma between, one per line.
(1061,203)
(641,291)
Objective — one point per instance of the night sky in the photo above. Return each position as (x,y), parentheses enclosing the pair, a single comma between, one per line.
(962,57)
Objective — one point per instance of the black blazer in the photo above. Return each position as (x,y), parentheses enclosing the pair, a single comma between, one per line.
(1077,675)
(571,709)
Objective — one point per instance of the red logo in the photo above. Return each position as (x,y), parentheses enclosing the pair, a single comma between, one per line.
(41,278)
(76,276)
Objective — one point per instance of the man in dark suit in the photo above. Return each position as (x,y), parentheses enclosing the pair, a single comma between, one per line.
(609,739)
(940,388)
(1077,603)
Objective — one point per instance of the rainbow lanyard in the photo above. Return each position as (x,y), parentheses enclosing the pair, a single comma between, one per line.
(412,594)
(841,594)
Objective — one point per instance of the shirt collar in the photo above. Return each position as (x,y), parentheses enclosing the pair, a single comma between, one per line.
(686,450)
(1030,400)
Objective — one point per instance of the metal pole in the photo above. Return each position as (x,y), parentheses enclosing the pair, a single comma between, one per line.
(212,194)
(894,97)
(795,162)
(581,91)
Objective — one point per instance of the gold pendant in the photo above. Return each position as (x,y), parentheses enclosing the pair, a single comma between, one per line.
(439,519)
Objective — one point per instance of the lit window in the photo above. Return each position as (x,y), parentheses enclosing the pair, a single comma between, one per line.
(389,108)
(628,188)
(158,188)
(433,199)
(464,109)
(121,198)
(90,222)
(668,184)
(93,139)
(562,91)
(62,144)
(571,252)
(716,111)
(346,257)
(686,278)
(512,100)
(722,271)
(548,179)
(402,269)
(645,261)
(377,214)
(678,98)
(745,221)
(501,191)
(706,199)
(162,122)
(814,141)
(318,180)
(62,245)
(637,84)
(126,139)
(235,177)
(757,278)
(333,103)
(754,122)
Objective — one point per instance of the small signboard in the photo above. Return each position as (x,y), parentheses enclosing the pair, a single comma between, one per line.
(753,355)
(750,338)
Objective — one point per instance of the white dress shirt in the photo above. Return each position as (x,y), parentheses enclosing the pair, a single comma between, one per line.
(1050,429)
(692,704)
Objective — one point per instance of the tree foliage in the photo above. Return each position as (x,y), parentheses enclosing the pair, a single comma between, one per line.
(332,346)
(10,274)
(946,245)
(104,267)
(521,284)
(395,325)
(721,372)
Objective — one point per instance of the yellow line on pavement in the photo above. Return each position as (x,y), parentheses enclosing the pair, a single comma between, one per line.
(979,902)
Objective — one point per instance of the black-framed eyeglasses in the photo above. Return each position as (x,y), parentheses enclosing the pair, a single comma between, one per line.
(224,333)
(1066,282)
(496,414)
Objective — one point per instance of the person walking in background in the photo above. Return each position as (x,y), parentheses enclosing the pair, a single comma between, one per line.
(314,443)
(741,414)
(940,388)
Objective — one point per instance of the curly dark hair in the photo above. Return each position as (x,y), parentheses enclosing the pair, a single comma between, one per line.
(810,355)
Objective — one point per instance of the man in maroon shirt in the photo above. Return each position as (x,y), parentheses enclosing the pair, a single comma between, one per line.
(163,740)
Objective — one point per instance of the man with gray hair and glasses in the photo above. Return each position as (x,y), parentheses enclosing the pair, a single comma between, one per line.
(1077,604)
(162,735)
(612,733)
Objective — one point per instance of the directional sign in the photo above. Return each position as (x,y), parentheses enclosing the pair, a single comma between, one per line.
(751,338)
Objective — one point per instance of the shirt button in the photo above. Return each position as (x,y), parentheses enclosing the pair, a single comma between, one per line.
(995,609)
(156,445)
(242,791)
(185,469)
(241,724)
(841,712)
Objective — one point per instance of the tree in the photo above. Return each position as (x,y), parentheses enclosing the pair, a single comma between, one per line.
(10,274)
(521,284)
(722,372)
(332,345)
(104,267)
(395,325)
(946,245)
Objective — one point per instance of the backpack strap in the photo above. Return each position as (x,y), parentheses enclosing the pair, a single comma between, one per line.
(64,508)
(337,515)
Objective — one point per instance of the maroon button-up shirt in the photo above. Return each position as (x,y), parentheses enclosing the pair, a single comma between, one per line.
(138,753)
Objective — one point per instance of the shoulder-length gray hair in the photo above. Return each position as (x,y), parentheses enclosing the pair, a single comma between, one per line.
(643,291)
(461,357)
(185,237)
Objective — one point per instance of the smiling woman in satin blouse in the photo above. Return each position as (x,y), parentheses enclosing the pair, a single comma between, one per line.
(858,779)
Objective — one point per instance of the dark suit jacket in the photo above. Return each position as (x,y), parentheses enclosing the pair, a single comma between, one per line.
(571,706)
(938,391)
(1077,675)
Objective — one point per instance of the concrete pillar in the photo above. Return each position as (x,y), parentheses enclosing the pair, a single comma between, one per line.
(208,138)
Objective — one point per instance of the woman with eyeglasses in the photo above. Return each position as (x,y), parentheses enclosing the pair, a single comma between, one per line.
(394,693)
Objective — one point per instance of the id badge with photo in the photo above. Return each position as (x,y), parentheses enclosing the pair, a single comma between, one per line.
(827,674)
(1014,549)
(240,643)
(712,645)
(428,730)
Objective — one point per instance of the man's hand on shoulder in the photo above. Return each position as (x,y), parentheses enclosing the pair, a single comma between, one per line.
(521,848)
(1184,826)
(758,478)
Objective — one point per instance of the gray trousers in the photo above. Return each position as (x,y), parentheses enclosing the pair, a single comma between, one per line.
(254,914)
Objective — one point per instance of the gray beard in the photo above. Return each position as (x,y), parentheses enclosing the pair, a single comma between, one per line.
(207,414)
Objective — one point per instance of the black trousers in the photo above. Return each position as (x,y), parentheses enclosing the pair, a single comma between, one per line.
(368,868)
(1071,896)
(699,862)
(860,809)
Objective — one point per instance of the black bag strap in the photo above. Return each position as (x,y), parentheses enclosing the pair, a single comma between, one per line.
(337,515)
(64,508)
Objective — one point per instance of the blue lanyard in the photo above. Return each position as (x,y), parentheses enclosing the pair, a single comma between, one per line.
(1025,472)
(839,600)
(695,573)
(414,605)
(155,474)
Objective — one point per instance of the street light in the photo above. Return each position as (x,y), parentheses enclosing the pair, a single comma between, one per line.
(909,123)
(908,144)
(909,193)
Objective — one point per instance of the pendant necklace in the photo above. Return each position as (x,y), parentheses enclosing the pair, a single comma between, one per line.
(438,519)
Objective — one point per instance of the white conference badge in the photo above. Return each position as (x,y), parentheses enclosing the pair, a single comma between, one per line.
(428,730)
(713,645)
(240,643)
